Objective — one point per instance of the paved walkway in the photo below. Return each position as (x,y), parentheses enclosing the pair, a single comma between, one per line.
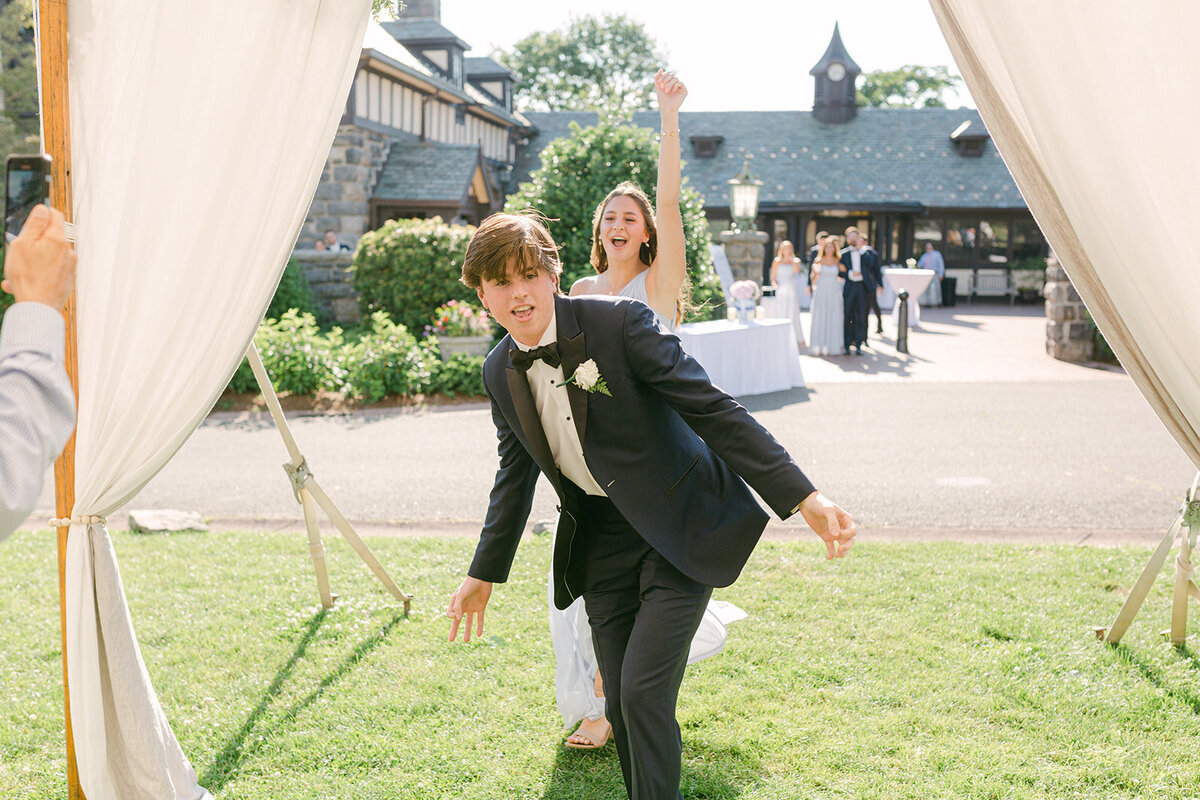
(963,344)
(977,436)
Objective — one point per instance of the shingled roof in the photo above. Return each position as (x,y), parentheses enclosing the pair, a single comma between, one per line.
(899,157)
(419,29)
(478,66)
(428,172)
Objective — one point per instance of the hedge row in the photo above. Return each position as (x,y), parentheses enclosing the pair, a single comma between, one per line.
(382,360)
(409,267)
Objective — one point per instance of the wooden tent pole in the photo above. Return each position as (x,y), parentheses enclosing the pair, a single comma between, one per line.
(56,128)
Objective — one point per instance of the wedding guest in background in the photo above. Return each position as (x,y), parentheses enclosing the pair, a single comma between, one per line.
(876,267)
(785,275)
(860,283)
(932,259)
(332,244)
(826,336)
(319,245)
(815,250)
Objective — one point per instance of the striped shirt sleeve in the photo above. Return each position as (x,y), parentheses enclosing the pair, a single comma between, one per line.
(37,406)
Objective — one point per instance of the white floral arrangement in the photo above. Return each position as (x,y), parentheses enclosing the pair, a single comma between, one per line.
(911,263)
(744,290)
(587,377)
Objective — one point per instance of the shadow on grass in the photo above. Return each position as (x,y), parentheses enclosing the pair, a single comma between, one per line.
(1178,693)
(236,751)
(709,773)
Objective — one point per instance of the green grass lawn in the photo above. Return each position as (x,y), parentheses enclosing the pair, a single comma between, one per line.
(914,671)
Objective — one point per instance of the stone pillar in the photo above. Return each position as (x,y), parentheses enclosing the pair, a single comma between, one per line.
(1070,333)
(745,251)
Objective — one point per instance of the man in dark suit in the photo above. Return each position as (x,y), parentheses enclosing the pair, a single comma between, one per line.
(860,267)
(645,455)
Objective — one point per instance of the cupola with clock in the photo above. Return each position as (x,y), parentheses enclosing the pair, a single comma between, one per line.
(834,99)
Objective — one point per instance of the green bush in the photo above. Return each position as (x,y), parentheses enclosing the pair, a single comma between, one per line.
(410,267)
(461,375)
(293,292)
(579,170)
(298,357)
(382,359)
(387,360)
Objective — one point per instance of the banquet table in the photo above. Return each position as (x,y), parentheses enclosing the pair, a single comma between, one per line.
(913,281)
(745,358)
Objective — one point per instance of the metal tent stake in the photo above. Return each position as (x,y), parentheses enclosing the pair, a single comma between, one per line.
(310,494)
(1186,527)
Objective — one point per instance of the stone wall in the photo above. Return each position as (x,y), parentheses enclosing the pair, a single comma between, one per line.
(340,202)
(1070,334)
(330,281)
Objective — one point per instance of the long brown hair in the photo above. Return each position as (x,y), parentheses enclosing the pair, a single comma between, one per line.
(649,250)
(824,244)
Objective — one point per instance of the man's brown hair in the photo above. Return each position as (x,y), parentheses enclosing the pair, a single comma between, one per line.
(500,239)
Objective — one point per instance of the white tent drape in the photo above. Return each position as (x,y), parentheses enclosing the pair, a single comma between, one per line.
(198,135)
(1093,104)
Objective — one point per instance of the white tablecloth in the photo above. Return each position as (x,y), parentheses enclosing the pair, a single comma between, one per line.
(913,281)
(744,359)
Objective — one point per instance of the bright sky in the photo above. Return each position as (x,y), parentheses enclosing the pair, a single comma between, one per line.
(745,55)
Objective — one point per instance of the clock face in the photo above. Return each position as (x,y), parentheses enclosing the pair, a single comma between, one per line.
(835,72)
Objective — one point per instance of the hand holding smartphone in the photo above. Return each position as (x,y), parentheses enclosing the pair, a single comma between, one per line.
(27,184)
(39,262)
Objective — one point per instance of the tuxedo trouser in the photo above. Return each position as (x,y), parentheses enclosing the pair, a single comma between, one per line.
(854,325)
(873,306)
(643,613)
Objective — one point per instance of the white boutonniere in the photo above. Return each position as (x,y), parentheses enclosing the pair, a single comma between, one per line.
(587,377)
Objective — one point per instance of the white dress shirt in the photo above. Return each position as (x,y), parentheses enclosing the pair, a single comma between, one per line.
(855,264)
(37,406)
(554,409)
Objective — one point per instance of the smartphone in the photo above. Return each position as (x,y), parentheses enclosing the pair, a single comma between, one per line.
(26,184)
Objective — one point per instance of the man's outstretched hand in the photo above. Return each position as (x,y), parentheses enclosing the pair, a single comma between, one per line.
(831,522)
(467,604)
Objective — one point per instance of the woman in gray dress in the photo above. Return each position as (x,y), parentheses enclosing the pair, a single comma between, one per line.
(825,337)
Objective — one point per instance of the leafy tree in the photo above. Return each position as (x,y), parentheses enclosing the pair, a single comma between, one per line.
(579,170)
(18,78)
(604,64)
(908,87)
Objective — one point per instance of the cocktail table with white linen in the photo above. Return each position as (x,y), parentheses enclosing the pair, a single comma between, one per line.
(745,358)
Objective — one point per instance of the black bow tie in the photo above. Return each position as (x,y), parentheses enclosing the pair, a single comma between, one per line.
(522,360)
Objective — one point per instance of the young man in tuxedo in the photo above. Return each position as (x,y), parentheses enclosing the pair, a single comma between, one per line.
(648,460)
(860,267)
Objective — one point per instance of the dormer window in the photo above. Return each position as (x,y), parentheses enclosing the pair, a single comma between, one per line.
(439,58)
(432,43)
(968,142)
(706,146)
(492,78)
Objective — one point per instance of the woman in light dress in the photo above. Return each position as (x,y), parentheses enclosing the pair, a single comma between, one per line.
(826,333)
(785,275)
(638,253)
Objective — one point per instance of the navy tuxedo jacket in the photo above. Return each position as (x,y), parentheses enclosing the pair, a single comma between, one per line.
(869,262)
(667,446)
